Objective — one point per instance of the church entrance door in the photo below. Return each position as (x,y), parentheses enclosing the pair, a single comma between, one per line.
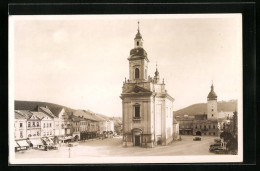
(198,133)
(137,140)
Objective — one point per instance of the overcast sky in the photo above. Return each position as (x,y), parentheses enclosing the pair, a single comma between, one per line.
(81,61)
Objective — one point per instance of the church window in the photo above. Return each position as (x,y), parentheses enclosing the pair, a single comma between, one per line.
(137,111)
(137,43)
(136,73)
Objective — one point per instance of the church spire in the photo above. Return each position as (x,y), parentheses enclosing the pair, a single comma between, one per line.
(138,35)
(156,75)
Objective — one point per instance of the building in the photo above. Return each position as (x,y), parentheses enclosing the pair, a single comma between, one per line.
(19,126)
(204,124)
(33,127)
(59,121)
(75,123)
(176,129)
(146,105)
(47,124)
(185,125)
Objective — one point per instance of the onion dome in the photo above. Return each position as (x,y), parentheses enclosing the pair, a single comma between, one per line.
(212,95)
(138,52)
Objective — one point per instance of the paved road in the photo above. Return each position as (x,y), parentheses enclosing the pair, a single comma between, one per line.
(113,147)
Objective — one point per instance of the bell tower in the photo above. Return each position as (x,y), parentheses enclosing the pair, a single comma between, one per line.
(138,61)
(212,105)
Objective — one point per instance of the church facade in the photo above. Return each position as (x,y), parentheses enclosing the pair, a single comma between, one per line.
(146,105)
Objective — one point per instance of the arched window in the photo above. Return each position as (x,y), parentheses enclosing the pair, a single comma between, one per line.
(137,43)
(136,73)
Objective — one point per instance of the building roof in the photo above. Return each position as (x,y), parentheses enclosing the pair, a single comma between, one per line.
(212,94)
(26,113)
(138,52)
(85,114)
(47,111)
(75,118)
(18,116)
(40,115)
(56,111)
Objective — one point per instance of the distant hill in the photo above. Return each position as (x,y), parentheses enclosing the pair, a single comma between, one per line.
(201,108)
(31,105)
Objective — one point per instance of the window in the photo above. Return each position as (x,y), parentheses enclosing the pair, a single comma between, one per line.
(38,133)
(204,126)
(43,125)
(212,110)
(47,125)
(137,43)
(209,127)
(136,73)
(21,125)
(212,115)
(33,124)
(38,124)
(213,133)
(29,124)
(196,127)
(137,111)
(213,126)
(29,135)
(21,134)
(210,133)
(50,124)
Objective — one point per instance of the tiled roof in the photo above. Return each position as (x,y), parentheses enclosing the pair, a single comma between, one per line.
(25,113)
(85,114)
(56,111)
(19,116)
(40,115)
(46,110)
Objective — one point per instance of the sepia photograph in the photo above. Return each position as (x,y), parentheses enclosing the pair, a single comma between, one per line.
(150,88)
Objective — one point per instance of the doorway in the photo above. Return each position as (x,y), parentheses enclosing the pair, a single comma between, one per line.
(137,140)
(198,133)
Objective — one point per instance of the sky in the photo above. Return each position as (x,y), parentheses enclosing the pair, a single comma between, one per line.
(81,61)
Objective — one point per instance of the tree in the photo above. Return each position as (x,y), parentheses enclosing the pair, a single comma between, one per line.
(232,144)
(227,136)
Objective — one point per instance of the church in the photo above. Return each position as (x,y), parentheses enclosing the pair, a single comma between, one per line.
(146,106)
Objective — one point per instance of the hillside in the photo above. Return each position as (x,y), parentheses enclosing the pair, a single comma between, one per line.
(31,105)
(201,108)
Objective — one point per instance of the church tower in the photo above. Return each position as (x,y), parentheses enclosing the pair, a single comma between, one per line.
(138,61)
(146,106)
(212,105)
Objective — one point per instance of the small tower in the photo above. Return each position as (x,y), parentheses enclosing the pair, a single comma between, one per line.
(156,76)
(212,105)
(138,61)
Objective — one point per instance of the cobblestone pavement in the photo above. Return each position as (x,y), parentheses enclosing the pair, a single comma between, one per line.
(113,147)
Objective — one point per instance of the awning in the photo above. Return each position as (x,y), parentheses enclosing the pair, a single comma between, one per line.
(69,137)
(15,144)
(22,143)
(36,141)
(50,141)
